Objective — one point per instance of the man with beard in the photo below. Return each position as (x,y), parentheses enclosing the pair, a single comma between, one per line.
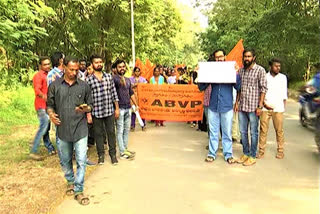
(220,114)
(274,106)
(105,109)
(69,99)
(126,94)
(249,103)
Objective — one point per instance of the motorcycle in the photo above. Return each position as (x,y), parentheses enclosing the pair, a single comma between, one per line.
(309,106)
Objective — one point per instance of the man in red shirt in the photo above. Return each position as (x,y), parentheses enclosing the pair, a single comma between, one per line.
(41,89)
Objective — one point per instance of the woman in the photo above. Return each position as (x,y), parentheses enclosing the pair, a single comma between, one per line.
(157,79)
(135,80)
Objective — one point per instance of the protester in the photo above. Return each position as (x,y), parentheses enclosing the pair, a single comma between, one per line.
(41,89)
(82,69)
(57,64)
(250,103)
(135,80)
(69,99)
(55,74)
(126,96)
(274,107)
(157,79)
(172,78)
(105,109)
(220,114)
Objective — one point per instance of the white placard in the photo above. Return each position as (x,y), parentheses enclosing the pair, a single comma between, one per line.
(217,72)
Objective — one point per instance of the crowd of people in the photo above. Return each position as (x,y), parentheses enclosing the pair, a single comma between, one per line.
(89,105)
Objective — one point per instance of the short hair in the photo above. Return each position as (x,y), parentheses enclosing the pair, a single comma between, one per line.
(251,50)
(216,51)
(136,68)
(95,56)
(83,60)
(118,61)
(68,59)
(274,60)
(43,58)
(55,58)
(113,66)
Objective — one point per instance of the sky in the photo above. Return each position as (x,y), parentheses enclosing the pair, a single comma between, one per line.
(202,18)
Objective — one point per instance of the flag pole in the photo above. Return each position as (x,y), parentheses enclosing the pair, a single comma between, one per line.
(132,34)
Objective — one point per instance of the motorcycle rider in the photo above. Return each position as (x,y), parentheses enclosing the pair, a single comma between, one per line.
(315,82)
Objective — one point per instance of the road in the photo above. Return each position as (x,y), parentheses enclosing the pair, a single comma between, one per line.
(169,176)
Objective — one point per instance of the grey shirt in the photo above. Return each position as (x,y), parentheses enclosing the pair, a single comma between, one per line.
(63,99)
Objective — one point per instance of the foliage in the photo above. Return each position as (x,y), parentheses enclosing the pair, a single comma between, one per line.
(280,28)
(33,28)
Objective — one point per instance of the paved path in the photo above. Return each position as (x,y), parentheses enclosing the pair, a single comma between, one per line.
(169,176)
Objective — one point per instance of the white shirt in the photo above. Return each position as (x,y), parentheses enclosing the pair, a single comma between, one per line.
(277,92)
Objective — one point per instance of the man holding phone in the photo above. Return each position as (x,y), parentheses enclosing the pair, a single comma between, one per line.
(69,99)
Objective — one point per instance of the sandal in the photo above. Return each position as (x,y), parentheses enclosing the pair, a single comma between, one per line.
(70,190)
(209,159)
(231,160)
(280,155)
(82,199)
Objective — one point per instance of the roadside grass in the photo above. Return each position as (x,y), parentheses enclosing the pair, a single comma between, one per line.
(27,186)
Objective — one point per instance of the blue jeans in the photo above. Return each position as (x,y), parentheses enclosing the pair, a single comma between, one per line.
(216,120)
(43,132)
(123,128)
(246,118)
(66,152)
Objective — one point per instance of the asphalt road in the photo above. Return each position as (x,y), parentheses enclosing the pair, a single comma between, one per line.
(169,176)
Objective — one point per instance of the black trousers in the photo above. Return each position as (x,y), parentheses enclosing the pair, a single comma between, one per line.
(102,128)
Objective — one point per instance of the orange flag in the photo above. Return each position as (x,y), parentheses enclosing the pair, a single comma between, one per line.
(140,65)
(149,69)
(236,53)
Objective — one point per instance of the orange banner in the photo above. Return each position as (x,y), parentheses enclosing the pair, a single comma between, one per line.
(170,102)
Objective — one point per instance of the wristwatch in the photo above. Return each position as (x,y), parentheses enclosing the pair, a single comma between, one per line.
(260,107)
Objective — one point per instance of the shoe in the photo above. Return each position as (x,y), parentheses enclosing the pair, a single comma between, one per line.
(126,156)
(260,155)
(234,140)
(130,152)
(36,157)
(243,159)
(144,129)
(114,160)
(250,161)
(101,160)
(132,129)
(193,125)
(90,163)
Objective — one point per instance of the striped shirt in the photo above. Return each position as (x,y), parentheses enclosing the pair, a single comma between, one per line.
(104,94)
(253,83)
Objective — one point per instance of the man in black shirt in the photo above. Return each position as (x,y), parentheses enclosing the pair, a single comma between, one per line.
(69,99)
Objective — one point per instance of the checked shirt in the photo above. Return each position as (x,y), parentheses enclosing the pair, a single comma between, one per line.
(104,94)
(253,83)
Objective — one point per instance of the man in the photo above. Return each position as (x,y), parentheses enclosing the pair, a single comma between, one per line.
(274,106)
(41,89)
(82,69)
(69,99)
(55,74)
(250,103)
(126,94)
(220,114)
(57,64)
(105,109)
